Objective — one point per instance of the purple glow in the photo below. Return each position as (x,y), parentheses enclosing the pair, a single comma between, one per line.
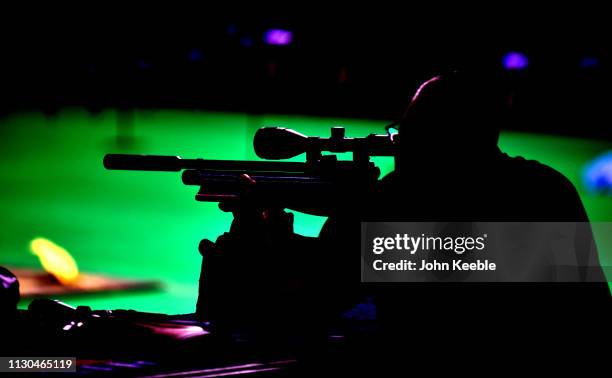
(515,60)
(278,37)
(231,29)
(143,64)
(589,62)
(246,41)
(7,281)
(195,55)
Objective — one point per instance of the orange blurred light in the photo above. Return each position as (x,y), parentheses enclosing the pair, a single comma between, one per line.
(55,260)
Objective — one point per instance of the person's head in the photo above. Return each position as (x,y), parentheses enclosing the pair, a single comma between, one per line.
(457,115)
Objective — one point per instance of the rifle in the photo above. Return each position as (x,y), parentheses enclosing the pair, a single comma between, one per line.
(322,185)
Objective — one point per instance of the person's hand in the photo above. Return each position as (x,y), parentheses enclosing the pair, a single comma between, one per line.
(251,268)
(254,227)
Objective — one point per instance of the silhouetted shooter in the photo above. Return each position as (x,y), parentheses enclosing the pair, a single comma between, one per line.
(449,169)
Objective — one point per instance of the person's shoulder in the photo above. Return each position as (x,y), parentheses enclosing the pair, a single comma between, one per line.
(389,178)
(535,172)
(390,183)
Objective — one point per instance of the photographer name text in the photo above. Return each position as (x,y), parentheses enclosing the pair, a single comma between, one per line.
(435,265)
(410,245)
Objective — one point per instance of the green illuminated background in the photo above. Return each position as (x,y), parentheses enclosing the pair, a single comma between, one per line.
(147,225)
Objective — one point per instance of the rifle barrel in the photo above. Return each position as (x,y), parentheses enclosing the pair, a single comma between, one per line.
(176,163)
